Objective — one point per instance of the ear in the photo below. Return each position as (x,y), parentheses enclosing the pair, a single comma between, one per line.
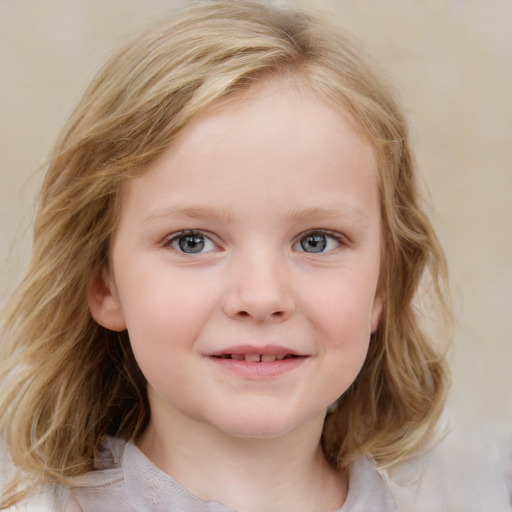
(104,303)
(379,302)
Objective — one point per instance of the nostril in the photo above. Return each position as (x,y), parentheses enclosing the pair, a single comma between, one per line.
(275,314)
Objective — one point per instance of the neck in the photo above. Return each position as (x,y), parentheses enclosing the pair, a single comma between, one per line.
(275,474)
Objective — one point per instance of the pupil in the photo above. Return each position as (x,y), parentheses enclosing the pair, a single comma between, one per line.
(314,243)
(191,243)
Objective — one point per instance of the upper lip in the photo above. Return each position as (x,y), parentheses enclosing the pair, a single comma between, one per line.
(255,349)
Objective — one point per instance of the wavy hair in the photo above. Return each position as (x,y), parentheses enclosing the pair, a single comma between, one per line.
(67,382)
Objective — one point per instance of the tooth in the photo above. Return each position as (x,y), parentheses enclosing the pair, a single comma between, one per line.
(238,357)
(280,357)
(253,358)
(268,358)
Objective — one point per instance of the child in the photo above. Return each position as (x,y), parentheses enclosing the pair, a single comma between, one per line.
(219,310)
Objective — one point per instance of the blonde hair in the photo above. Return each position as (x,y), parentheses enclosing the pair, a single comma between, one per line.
(67,382)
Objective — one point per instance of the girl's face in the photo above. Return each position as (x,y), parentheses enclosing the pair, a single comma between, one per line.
(245,265)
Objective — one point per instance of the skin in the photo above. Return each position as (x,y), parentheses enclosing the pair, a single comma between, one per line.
(253,178)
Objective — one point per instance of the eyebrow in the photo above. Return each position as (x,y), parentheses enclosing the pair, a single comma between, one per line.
(334,211)
(190,212)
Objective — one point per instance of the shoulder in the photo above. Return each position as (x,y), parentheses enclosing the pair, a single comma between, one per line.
(459,474)
(51,499)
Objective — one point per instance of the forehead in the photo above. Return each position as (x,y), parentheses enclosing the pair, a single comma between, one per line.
(265,144)
(276,112)
(289,90)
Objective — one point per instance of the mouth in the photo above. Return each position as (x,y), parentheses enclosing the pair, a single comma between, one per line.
(257,362)
(257,358)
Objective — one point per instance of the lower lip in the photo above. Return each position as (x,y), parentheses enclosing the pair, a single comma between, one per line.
(258,369)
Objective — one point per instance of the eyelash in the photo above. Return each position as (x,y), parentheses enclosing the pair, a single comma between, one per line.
(339,238)
(175,237)
(206,240)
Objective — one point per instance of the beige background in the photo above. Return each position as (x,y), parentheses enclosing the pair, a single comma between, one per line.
(452,60)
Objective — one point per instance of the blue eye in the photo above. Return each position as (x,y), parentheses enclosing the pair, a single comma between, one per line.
(191,242)
(317,242)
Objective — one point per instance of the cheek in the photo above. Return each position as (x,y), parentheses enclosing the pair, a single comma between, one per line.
(344,309)
(158,296)
(164,314)
(342,317)
(162,335)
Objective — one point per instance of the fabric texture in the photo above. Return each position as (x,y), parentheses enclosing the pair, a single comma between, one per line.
(140,486)
(457,476)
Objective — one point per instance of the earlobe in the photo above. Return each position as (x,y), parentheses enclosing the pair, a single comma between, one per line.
(104,303)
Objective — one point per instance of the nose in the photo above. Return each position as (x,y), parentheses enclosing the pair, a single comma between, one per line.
(259,289)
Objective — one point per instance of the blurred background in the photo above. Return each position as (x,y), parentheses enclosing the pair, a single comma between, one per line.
(452,63)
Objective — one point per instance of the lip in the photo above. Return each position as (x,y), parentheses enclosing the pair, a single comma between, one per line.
(257,369)
(255,349)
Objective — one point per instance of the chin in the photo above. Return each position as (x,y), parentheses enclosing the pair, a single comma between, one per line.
(257,432)
(263,426)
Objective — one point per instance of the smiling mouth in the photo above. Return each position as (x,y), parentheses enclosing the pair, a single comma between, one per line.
(257,358)
(258,363)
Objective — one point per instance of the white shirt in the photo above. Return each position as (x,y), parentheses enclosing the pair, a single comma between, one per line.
(456,476)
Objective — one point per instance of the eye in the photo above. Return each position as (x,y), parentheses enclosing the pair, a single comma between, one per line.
(190,242)
(318,241)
